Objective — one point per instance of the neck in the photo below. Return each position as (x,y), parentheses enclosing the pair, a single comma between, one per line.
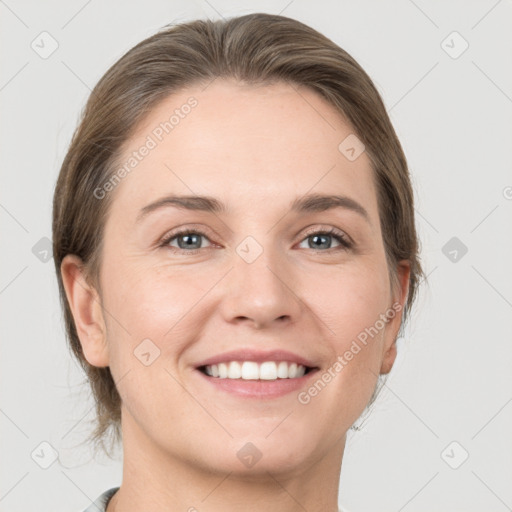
(160,482)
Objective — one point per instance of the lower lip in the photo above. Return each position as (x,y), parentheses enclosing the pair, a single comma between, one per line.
(259,388)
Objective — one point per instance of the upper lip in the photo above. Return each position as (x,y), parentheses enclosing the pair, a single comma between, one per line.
(257,356)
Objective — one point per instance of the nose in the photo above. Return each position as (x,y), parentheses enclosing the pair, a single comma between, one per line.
(261,293)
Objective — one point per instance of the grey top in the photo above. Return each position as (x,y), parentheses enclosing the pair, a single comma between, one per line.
(100,505)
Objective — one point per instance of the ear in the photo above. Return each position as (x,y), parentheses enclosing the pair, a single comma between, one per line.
(85,305)
(399,299)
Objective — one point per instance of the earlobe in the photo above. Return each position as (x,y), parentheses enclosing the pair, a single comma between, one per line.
(85,306)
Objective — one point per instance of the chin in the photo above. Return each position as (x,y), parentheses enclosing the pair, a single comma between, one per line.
(258,455)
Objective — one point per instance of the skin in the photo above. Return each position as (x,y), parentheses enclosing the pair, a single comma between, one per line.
(181,436)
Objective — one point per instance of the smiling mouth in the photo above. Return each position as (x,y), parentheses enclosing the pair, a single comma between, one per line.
(251,370)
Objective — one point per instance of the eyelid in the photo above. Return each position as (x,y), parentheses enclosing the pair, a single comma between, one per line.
(186,228)
(202,230)
(331,230)
(199,229)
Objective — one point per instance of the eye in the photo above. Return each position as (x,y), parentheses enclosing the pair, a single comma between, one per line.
(323,238)
(188,240)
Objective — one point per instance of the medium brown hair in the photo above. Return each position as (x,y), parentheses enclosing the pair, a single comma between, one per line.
(257,49)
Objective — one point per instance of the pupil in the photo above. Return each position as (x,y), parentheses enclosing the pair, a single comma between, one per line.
(317,237)
(188,243)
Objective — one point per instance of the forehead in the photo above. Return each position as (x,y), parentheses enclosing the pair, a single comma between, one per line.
(243,143)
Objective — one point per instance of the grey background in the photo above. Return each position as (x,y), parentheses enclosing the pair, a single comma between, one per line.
(452,380)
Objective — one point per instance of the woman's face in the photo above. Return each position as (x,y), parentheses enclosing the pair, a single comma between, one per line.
(251,277)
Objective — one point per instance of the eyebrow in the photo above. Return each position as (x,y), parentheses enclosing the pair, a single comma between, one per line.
(310,203)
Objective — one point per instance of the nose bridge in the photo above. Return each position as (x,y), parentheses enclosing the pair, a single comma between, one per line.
(259,284)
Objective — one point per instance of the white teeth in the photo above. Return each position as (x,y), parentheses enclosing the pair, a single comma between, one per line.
(282,370)
(301,370)
(223,371)
(234,370)
(268,371)
(249,370)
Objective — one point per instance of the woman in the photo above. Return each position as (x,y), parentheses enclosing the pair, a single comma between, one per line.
(236,253)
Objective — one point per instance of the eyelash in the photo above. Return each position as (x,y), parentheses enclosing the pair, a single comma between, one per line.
(345,243)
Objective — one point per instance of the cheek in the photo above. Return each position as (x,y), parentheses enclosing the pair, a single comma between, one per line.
(349,300)
(157,303)
(148,303)
(350,307)
(147,337)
